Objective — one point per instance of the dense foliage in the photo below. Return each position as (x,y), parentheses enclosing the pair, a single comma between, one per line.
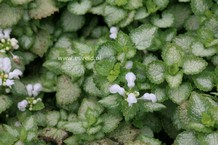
(108,72)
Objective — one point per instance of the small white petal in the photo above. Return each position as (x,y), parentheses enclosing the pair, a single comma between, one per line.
(29,89)
(7,33)
(113,30)
(114,89)
(150,97)
(17,124)
(121,91)
(131,99)
(9,83)
(6,65)
(130,78)
(22,105)
(129,65)
(113,36)
(15,74)
(36,89)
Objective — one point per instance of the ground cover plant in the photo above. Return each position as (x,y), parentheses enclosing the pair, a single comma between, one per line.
(108,72)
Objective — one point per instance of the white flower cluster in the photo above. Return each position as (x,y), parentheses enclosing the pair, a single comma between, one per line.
(33,91)
(113,32)
(6,76)
(7,43)
(131,96)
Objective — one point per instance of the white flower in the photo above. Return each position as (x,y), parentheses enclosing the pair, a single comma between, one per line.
(22,105)
(150,97)
(17,124)
(9,82)
(130,78)
(129,65)
(113,29)
(15,74)
(33,90)
(14,43)
(5,64)
(113,32)
(117,89)
(7,33)
(131,99)
(113,36)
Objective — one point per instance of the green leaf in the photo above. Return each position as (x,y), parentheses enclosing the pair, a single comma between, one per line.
(186,138)
(43,9)
(107,50)
(5,103)
(143,36)
(149,140)
(141,13)
(103,67)
(74,68)
(194,65)
(199,128)
(11,131)
(192,23)
(89,104)
(75,127)
(197,105)
(111,122)
(71,22)
(110,101)
(129,112)
(91,88)
(164,22)
(174,80)
(198,49)
(151,107)
(172,54)
(129,19)
(155,72)
(121,2)
(42,43)
(79,8)
(19,89)
(38,106)
(134,4)
(53,66)
(200,7)
(114,73)
(7,139)
(180,94)
(67,92)
(9,16)
(30,124)
(210,139)
(109,13)
(184,42)
(204,81)
(20,2)
(160,93)
(26,42)
(52,118)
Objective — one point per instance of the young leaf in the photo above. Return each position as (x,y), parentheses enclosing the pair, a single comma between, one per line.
(174,80)
(91,88)
(103,67)
(143,36)
(180,94)
(155,72)
(204,81)
(151,107)
(194,65)
(109,101)
(52,118)
(199,7)
(198,49)
(172,54)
